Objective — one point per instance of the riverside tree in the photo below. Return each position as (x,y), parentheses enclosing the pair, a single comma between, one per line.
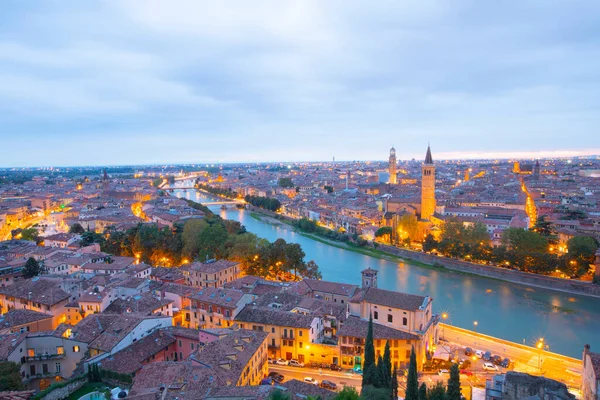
(412,383)
(453,391)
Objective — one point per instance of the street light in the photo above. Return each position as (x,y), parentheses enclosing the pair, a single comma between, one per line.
(475,323)
(444,317)
(540,346)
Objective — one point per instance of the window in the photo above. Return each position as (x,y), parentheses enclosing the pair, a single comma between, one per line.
(376,315)
(210,309)
(180,343)
(405,321)
(300,333)
(60,350)
(30,352)
(192,346)
(390,318)
(57,366)
(407,354)
(45,369)
(219,310)
(300,345)
(273,342)
(32,370)
(227,313)
(75,349)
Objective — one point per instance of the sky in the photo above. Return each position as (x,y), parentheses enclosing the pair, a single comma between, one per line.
(189,81)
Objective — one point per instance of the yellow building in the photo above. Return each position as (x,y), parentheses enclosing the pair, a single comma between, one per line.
(393,174)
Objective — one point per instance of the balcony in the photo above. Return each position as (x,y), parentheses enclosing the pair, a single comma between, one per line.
(41,376)
(42,357)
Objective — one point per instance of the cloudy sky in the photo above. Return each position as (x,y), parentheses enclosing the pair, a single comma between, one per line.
(140,82)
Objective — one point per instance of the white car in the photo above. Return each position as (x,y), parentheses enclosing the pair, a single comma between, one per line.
(479,353)
(489,367)
(310,380)
(443,372)
(295,363)
(281,361)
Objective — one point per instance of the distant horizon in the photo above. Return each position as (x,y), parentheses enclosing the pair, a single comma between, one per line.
(591,156)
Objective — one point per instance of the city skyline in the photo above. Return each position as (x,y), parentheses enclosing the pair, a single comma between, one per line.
(114,83)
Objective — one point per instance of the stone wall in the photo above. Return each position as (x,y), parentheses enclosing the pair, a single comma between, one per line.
(519,277)
(65,391)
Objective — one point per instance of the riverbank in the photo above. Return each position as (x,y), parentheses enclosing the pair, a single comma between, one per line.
(396,254)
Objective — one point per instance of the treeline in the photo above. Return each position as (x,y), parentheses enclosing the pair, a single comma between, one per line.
(268,203)
(225,192)
(525,250)
(310,226)
(208,238)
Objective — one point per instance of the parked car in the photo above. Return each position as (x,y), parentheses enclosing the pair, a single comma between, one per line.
(357,370)
(466,372)
(277,377)
(328,385)
(313,381)
(505,363)
(295,363)
(267,381)
(479,353)
(281,361)
(271,360)
(468,351)
(487,356)
(335,367)
(488,366)
(497,360)
(443,372)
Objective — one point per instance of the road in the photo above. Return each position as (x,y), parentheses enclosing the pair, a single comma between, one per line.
(526,359)
(346,378)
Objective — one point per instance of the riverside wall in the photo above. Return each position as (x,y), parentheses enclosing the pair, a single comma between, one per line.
(518,277)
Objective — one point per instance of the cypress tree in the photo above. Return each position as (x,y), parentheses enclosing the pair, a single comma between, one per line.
(412,384)
(369,358)
(387,366)
(381,378)
(395,384)
(423,392)
(453,392)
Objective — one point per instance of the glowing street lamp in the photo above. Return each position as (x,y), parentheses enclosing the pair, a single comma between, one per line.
(444,318)
(475,323)
(540,347)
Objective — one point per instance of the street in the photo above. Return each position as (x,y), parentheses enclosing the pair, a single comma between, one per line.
(525,359)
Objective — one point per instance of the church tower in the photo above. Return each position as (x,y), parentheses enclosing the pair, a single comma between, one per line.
(427,187)
(393,176)
(536,170)
(369,278)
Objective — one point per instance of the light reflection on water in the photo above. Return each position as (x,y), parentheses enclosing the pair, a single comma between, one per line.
(501,309)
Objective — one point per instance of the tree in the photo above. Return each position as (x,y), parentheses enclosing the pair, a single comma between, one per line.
(369,358)
(582,248)
(32,268)
(10,376)
(386,367)
(395,384)
(522,241)
(453,392)
(76,228)
(30,234)
(347,393)
(373,393)
(545,228)
(423,391)
(285,182)
(412,383)
(438,392)
(384,232)
(429,243)
(279,395)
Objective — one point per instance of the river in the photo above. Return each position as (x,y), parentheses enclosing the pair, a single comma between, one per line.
(501,309)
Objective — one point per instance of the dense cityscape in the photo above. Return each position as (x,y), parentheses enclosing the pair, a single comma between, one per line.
(120,278)
(299,200)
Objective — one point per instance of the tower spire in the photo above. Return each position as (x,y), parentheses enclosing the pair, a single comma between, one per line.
(428,158)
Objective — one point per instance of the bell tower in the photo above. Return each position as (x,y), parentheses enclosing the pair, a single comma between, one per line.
(427,186)
(392,166)
(369,278)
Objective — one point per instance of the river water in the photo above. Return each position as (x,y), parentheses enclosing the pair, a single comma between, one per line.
(501,309)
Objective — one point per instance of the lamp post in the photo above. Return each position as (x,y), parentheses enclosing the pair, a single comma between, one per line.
(475,323)
(444,317)
(540,347)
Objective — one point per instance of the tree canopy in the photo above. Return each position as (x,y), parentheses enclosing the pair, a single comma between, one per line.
(10,377)
(32,268)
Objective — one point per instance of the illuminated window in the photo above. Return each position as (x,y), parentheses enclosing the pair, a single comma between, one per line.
(75,349)
(60,350)
(30,352)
